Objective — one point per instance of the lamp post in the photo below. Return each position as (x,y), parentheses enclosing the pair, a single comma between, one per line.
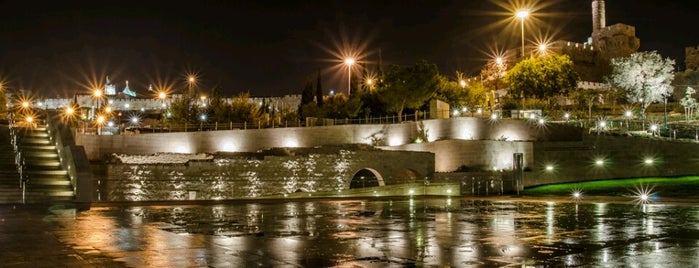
(349,62)
(162,96)
(521,15)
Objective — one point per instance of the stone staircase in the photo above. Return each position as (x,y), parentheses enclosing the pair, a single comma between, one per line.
(46,180)
(10,191)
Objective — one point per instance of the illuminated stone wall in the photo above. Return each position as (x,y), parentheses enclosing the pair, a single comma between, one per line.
(474,154)
(621,157)
(233,176)
(253,140)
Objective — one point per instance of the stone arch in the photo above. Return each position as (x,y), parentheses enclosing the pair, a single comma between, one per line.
(366,177)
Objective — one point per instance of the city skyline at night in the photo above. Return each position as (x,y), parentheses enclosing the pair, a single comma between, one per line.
(268,48)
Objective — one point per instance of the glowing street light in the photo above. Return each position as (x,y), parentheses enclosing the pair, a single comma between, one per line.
(522,14)
(463,83)
(542,49)
(349,62)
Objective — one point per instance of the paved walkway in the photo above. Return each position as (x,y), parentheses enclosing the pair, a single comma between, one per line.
(27,235)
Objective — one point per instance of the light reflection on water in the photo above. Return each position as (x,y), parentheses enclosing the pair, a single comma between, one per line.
(390,233)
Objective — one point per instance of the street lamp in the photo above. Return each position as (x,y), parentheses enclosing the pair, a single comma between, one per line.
(542,49)
(521,15)
(162,96)
(349,62)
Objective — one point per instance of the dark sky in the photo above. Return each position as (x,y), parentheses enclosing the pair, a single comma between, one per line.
(272,47)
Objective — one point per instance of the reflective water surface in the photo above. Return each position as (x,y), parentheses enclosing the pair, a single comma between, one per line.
(356,233)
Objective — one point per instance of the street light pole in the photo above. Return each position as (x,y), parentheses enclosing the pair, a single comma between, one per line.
(521,15)
(349,62)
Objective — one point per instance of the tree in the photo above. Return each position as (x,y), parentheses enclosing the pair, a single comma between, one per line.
(542,77)
(219,110)
(458,94)
(409,86)
(319,91)
(688,78)
(243,110)
(180,110)
(645,77)
(338,106)
(307,93)
(493,73)
(689,103)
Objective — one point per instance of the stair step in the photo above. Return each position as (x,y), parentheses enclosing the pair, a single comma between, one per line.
(38,147)
(42,163)
(58,181)
(40,154)
(33,141)
(58,193)
(33,173)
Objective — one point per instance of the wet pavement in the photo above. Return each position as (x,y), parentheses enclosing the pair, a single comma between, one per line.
(353,233)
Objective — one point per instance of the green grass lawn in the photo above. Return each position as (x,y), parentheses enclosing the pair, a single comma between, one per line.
(679,187)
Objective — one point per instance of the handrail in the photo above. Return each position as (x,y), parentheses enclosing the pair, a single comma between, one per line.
(20,160)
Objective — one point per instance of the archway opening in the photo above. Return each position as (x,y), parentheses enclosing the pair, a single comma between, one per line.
(366,178)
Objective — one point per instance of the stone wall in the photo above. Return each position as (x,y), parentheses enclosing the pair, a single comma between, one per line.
(240,176)
(252,140)
(474,154)
(691,58)
(622,157)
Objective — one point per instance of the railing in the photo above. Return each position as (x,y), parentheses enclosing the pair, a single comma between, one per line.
(72,159)
(20,160)
(259,124)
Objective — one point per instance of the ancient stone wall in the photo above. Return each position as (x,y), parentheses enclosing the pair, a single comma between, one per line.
(691,59)
(227,177)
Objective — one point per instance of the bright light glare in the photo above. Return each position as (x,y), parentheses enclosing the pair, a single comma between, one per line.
(349,61)
(599,162)
(522,14)
(549,168)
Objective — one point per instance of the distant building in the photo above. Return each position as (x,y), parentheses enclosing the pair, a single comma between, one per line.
(691,58)
(591,58)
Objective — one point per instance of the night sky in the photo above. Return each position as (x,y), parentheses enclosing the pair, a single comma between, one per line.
(59,48)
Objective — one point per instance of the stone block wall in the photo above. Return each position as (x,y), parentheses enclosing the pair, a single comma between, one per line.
(253,140)
(474,154)
(250,177)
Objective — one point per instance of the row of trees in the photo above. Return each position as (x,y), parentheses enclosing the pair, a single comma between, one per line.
(642,78)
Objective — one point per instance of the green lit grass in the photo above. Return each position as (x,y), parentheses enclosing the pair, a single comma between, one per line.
(679,187)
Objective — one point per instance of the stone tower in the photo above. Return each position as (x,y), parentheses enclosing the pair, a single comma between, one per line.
(617,40)
(599,20)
